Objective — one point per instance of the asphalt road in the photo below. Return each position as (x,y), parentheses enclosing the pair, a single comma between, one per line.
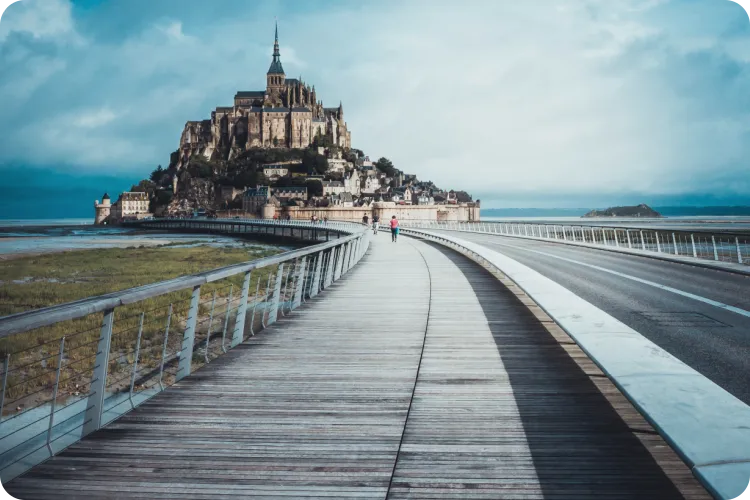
(711,339)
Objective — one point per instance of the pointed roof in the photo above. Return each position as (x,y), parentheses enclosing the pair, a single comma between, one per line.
(276,67)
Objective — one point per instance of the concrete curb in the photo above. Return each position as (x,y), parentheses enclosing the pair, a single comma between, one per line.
(690,261)
(702,422)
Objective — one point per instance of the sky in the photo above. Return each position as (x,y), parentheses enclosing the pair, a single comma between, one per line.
(551,103)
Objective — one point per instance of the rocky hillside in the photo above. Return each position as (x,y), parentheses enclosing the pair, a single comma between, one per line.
(641,210)
(179,189)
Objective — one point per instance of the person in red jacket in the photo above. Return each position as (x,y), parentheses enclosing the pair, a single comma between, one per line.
(394,229)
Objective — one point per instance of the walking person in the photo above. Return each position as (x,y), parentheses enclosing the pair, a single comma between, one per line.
(394,229)
(375,224)
(365,220)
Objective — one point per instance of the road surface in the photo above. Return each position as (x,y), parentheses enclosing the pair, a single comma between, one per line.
(701,316)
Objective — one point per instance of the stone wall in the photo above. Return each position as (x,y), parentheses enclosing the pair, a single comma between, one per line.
(385,210)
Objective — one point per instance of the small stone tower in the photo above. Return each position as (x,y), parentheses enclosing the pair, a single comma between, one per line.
(101,210)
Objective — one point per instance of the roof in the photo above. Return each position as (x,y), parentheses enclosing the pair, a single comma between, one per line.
(333,184)
(291,81)
(344,196)
(302,110)
(276,67)
(274,110)
(292,189)
(259,191)
(105,197)
(130,195)
(250,93)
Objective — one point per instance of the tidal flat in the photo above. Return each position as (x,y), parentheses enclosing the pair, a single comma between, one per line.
(37,281)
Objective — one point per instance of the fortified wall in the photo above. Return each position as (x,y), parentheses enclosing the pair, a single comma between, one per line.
(385,210)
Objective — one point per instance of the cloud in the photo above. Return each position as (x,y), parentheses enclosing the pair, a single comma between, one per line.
(504,99)
(42,19)
(93,118)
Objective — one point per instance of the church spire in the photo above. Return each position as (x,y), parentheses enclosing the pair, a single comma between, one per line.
(276,42)
(276,67)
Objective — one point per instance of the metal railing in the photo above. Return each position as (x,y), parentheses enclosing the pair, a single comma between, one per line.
(72,368)
(700,245)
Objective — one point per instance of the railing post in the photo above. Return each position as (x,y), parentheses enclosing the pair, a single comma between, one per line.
(300,282)
(627,234)
(273,312)
(226,318)
(135,360)
(164,348)
(658,243)
(315,282)
(6,366)
(53,404)
(330,261)
(255,306)
(617,241)
(674,242)
(565,236)
(188,338)
(339,261)
(643,242)
(692,241)
(345,263)
(604,237)
(739,253)
(95,404)
(546,228)
(716,253)
(210,324)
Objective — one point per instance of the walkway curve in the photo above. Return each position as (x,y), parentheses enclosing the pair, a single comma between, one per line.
(318,405)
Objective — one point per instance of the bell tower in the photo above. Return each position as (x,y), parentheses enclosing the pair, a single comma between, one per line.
(275,76)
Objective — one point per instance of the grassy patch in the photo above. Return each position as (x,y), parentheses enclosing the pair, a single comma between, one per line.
(64,277)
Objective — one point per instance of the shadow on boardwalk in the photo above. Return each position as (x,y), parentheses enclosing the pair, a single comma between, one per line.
(580,446)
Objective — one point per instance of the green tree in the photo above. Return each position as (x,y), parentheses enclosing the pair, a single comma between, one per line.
(157,174)
(314,163)
(385,165)
(314,187)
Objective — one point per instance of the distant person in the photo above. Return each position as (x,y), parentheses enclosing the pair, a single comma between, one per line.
(288,217)
(312,219)
(325,221)
(394,229)
(375,224)
(366,220)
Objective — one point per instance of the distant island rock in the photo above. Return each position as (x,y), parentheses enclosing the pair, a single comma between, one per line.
(641,210)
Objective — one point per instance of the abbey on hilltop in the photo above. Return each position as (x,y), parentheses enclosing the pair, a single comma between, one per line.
(287,114)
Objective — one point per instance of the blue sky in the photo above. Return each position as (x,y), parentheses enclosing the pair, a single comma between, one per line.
(545,103)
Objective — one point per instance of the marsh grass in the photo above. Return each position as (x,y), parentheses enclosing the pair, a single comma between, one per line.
(64,277)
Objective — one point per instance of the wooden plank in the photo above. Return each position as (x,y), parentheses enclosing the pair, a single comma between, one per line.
(313,406)
(505,408)
(505,405)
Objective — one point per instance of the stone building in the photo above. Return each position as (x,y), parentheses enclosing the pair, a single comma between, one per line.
(102,210)
(130,205)
(255,199)
(290,193)
(352,183)
(333,187)
(273,172)
(286,114)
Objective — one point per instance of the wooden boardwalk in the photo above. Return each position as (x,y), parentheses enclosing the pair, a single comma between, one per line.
(417,375)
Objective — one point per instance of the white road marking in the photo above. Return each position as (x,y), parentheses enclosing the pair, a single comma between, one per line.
(689,295)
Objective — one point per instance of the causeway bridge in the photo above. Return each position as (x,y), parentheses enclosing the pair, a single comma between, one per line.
(463,361)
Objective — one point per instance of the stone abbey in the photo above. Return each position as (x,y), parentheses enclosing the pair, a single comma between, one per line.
(287,114)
